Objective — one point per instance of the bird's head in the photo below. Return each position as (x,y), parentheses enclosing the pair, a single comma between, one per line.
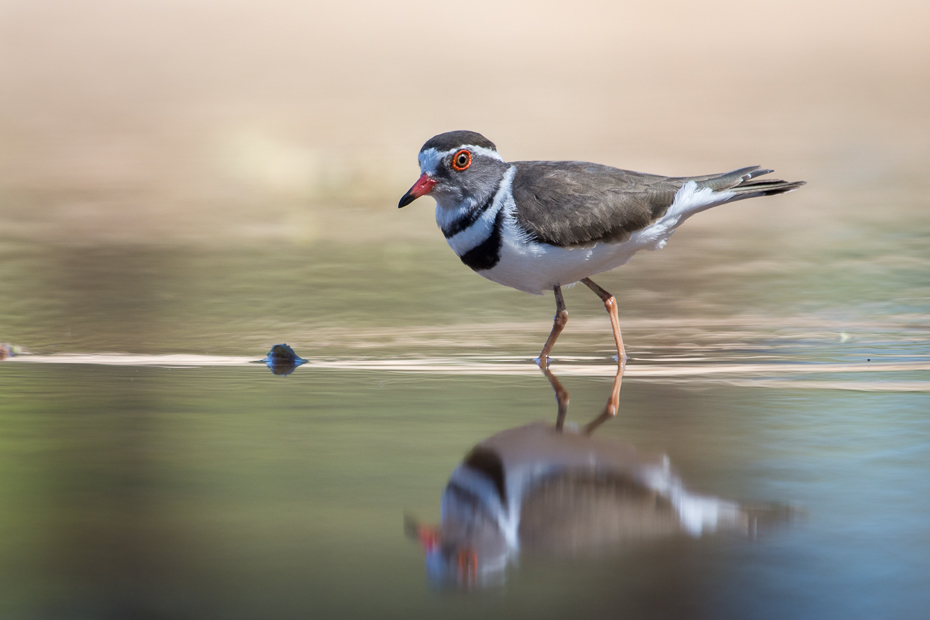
(455,166)
(461,554)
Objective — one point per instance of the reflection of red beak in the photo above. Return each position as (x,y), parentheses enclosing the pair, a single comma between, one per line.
(429,537)
(422,187)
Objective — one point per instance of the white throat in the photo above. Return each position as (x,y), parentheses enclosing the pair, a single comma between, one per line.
(448,213)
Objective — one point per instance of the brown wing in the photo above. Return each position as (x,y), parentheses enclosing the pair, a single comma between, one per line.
(576,203)
(580,512)
(571,203)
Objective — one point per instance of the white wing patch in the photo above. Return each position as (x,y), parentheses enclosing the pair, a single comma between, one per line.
(688,201)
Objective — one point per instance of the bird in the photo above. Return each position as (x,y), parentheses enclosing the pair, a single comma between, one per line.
(537,226)
(547,492)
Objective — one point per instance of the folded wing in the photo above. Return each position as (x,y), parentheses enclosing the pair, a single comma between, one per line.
(577,204)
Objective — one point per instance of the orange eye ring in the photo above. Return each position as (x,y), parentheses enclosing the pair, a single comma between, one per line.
(461,160)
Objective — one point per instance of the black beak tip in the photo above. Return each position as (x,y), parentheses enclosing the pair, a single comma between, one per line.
(406,200)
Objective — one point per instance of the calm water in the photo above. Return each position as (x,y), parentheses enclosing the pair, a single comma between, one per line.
(204,486)
(185,184)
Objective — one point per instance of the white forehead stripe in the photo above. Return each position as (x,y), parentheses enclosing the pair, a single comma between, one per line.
(430,158)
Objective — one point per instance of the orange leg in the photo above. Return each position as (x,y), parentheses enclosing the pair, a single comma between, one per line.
(610,410)
(561,397)
(561,318)
(610,302)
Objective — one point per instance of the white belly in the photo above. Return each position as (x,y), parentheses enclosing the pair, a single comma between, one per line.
(539,267)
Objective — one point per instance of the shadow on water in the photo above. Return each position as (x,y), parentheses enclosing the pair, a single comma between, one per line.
(549,491)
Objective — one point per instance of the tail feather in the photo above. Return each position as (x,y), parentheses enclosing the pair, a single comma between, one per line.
(758,172)
(743,183)
(768,187)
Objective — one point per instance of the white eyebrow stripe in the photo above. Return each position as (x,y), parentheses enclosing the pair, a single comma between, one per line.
(430,158)
(480,150)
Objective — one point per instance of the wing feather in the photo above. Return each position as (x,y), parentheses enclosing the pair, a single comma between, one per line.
(578,204)
(571,204)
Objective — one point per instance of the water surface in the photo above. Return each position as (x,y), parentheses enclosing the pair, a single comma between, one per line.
(150,467)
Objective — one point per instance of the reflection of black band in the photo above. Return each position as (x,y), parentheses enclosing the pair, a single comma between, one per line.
(470,498)
(488,463)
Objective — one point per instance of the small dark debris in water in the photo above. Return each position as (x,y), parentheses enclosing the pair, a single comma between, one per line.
(869,359)
(282,360)
(283,353)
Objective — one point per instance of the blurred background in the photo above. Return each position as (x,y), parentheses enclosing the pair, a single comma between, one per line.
(149,131)
(210,176)
(293,122)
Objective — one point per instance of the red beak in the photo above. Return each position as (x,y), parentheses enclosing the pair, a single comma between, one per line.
(422,187)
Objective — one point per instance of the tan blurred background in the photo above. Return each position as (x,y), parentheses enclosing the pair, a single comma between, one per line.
(242,121)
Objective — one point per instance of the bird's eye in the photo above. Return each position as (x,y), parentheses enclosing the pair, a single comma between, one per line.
(461,160)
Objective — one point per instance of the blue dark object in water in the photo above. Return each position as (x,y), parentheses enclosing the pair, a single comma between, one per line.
(282,360)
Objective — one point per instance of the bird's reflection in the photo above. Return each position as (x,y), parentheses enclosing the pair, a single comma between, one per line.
(546,490)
